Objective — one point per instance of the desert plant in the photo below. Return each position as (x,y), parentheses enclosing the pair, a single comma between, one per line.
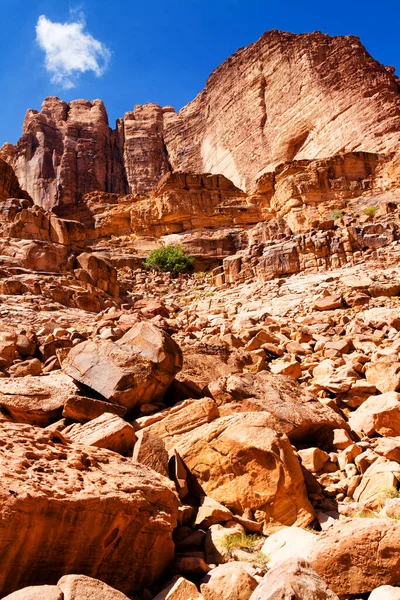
(171,258)
(242,541)
(336,214)
(370,211)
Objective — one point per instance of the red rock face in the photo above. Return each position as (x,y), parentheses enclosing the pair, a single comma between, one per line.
(9,186)
(285,97)
(67,150)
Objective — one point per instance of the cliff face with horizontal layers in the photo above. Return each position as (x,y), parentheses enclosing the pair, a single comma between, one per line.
(285,97)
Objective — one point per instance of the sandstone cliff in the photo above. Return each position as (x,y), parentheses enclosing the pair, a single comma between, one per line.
(285,97)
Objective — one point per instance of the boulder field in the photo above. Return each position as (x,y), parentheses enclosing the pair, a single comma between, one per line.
(232,433)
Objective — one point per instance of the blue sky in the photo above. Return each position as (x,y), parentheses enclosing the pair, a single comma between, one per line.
(160,51)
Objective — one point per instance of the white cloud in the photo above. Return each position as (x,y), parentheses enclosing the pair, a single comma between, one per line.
(70,51)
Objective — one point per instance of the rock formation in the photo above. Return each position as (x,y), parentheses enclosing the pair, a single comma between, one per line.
(227,434)
(286,97)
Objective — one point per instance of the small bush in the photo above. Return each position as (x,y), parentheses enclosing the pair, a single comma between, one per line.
(370,211)
(336,214)
(171,258)
(242,541)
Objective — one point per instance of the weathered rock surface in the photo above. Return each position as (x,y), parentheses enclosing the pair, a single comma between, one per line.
(341,559)
(68,508)
(137,369)
(36,400)
(290,410)
(337,99)
(242,463)
(294,579)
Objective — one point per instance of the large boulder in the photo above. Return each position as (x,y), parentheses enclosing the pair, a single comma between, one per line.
(294,579)
(66,508)
(291,409)
(38,400)
(135,370)
(357,556)
(379,414)
(81,587)
(242,463)
(229,580)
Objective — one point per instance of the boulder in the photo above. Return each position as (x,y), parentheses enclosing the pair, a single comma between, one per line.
(385,592)
(185,416)
(378,415)
(8,347)
(107,431)
(150,450)
(81,587)
(68,508)
(179,589)
(384,375)
(229,580)
(36,400)
(294,579)
(242,463)
(289,542)
(137,369)
(37,592)
(211,512)
(83,409)
(380,479)
(290,409)
(356,556)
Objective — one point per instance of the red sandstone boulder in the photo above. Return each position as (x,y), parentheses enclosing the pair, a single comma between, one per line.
(137,369)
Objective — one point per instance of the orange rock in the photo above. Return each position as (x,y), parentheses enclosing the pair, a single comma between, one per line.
(63,502)
(240,462)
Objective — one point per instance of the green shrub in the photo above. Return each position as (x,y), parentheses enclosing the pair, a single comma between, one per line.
(370,211)
(336,214)
(171,258)
(243,541)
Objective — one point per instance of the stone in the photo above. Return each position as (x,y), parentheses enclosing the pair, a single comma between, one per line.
(378,415)
(179,589)
(385,592)
(242,463)
(293,578)
(37,592)
(361,571)
(384,375)
(150,450)
(137,369)
(89,500)
(381,478)
(26,367)
(185,416)
(81,587)
(36,400)
(8,347)
(289,542)
(228,580)
(285,367)
(107,431)
(313,459)
(329,303)
(84,409)
(211,512)
(291,409)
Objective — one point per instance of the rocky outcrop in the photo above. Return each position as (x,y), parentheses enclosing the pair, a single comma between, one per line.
(145,157)
(66,508)
(9,186)
(285,97)
(65,151)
